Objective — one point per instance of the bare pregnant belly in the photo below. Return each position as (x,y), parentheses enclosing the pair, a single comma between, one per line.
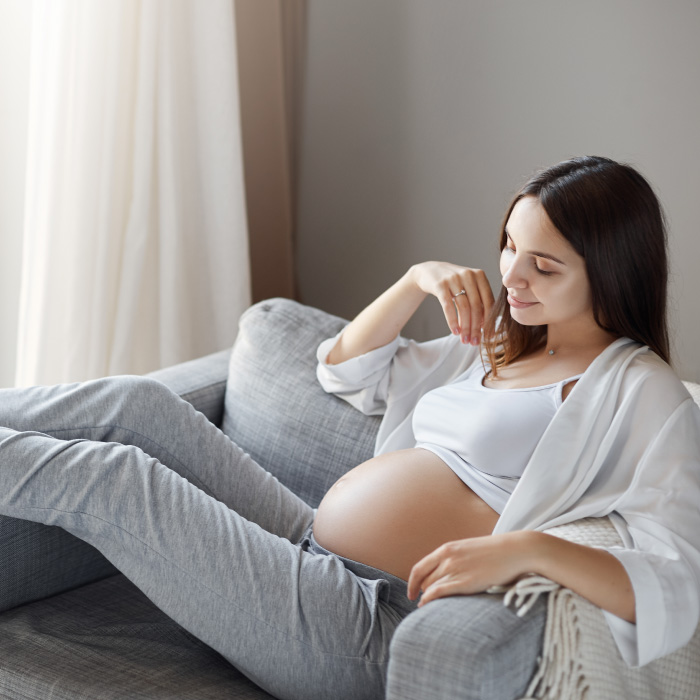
(392,510)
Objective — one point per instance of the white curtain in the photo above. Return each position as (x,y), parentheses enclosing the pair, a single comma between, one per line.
(135,244)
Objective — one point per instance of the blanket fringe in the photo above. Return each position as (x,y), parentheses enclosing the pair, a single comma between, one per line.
(560,673)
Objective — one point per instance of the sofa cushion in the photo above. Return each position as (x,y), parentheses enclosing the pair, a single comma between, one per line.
(273,396)
(40,560)
(107,641)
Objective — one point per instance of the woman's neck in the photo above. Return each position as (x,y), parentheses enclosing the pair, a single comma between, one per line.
(576,341)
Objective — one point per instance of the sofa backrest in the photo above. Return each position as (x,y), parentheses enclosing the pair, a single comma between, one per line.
(275,408)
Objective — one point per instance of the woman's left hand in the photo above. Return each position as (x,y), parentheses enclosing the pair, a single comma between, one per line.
(471,566)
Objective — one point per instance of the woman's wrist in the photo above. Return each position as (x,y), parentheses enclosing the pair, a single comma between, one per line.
(411,275)
(381,321)
(531,548)
(409,283)
(593,573)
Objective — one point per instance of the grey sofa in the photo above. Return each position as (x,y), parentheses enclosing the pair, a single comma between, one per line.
(73,628)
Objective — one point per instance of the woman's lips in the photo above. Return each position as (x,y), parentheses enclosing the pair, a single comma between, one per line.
(517,304)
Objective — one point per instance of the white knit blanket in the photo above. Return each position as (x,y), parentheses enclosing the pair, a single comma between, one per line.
(580,660)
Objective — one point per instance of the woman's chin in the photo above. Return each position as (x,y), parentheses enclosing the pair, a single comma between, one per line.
(525,317)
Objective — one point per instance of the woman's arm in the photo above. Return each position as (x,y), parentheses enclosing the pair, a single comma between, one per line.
(471,566)
(384,318)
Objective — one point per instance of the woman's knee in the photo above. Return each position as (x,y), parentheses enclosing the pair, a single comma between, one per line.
(131,392)
(91,410)
(128,384)
(130,403)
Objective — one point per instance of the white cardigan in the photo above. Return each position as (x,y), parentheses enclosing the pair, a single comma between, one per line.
(624,444)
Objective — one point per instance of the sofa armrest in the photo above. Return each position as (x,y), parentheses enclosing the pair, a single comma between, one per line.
(202,382)
(465,648)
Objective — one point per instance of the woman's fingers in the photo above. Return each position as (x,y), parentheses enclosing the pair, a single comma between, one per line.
(421,571)
(440,563)
(486,296)
(485,291)
(471,308)
(441,574)
(446,297)
(464,294)
(473,305)
(469,566)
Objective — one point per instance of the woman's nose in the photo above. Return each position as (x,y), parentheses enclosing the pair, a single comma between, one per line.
(513,275)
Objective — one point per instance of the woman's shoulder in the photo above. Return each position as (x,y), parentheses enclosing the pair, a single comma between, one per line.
(648,374)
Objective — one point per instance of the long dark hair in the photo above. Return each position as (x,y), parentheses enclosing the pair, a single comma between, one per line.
(610,215)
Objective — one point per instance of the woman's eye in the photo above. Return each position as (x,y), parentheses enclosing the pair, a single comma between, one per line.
(543,272)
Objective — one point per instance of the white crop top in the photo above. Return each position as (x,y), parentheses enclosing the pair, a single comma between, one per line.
(486,436)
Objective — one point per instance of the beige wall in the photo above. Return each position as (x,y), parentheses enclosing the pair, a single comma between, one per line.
(266,121)
(421,118)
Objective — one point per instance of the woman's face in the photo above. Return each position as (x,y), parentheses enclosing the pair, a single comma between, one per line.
(545,277)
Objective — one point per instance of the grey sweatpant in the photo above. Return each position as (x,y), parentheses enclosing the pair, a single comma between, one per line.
(212,539)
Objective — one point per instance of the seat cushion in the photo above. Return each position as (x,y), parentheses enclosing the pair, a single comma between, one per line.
(275,408)
(107,641)
(38,560)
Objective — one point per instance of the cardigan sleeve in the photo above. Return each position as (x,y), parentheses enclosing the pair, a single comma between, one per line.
(398,372)
(362,381)
(663,521)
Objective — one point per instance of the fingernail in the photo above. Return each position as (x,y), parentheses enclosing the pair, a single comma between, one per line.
(455,330)
(475,341)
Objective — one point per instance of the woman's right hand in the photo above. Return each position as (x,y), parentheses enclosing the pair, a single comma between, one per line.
(464,312)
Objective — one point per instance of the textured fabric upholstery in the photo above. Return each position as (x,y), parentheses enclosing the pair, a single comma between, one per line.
(463,648)
(39,560)
(107,641)
(202,382)
(275,408)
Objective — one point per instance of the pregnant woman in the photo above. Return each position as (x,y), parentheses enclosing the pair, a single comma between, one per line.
(552,403)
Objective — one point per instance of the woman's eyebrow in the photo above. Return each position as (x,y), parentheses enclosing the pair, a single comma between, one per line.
(539,254)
